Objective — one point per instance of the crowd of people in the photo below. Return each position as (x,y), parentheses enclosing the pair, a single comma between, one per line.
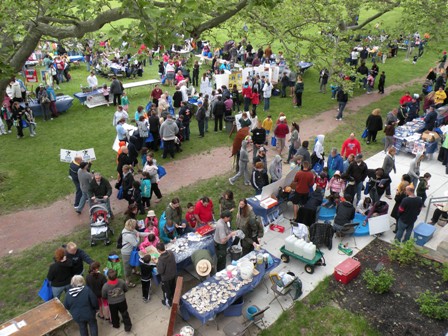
(341,178)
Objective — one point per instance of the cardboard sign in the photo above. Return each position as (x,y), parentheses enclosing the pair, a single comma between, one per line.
(67,155)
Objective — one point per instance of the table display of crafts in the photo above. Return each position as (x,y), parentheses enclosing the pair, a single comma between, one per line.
(211,294)
(184,247)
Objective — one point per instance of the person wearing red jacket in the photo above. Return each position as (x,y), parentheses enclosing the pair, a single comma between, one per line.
(255,100)
(350,146)
(405,99)
(304,181)
(280,132)
(247,96)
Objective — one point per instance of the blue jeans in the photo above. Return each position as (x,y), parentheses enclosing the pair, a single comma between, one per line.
(291,152)
(267,103)
(78,193)
(93,326)
(57,291)
(403,228)
(82,201)
(341,109)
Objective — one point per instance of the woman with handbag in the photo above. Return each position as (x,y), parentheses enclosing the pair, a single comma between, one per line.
(130,242)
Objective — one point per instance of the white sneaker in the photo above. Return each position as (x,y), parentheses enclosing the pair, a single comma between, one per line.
(231,182)
(9,131)
(31,135)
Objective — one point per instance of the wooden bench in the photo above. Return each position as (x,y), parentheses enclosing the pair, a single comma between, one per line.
(38,321)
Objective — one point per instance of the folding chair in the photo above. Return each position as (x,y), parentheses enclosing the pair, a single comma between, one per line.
(235,328)
(348,229)
(280,292)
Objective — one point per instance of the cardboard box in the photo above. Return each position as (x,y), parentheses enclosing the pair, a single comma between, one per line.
(426,135)
(347,270)
(268,203)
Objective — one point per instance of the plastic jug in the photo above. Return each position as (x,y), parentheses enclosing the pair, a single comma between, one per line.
(298,247)
(309,251)
(289,243)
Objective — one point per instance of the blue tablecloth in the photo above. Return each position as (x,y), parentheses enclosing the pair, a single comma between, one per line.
(361,230)
(184,259)
(82,97)
(267,215)
(187,310)
(63,103)
(79,58)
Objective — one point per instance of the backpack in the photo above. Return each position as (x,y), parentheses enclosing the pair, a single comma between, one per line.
(120,241)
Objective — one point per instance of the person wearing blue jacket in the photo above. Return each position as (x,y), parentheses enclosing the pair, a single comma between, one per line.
(82,304)
(335,162)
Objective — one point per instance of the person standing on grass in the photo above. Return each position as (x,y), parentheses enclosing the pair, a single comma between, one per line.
(267,93)
(167,269)
(200,117)
(156,93)
(218,112)
(350,146)
(77,258)
(342,98)
(408,212)
(82,304)
(116,88)
(114,292)
(374,123)
(298,90)
(60,273)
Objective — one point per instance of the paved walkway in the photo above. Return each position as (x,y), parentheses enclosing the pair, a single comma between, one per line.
(59,219)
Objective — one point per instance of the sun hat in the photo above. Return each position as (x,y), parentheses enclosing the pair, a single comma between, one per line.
(203,267)
(151,213)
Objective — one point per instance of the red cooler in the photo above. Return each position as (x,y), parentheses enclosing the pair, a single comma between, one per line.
(347,270)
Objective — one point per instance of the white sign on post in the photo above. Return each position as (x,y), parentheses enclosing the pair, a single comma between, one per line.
(67,155)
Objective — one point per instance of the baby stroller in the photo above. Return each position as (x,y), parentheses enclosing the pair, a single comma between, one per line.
(99,224)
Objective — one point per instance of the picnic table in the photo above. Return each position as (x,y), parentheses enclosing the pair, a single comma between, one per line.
(187,310)
(38,321)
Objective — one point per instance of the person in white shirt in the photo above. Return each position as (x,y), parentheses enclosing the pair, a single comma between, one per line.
(183,89)
(118,115)
(354,57)
(267,93)
(92,81)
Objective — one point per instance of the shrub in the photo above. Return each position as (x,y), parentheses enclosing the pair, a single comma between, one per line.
(432,305)
(445,272)
(379,283)
(404,253)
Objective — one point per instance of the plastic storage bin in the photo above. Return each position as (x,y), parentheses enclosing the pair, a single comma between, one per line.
(423,233)
(347,270)
(236,308)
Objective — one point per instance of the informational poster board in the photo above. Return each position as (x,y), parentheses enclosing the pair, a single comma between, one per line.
(236,78)
(221,80)
(67,155)
(379,224)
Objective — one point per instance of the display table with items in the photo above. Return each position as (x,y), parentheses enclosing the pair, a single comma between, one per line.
(407,139)
(184,247)
(63,103)
(267,215)
(218,293)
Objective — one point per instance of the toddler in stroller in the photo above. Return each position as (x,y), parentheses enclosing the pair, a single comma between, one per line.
(99,224)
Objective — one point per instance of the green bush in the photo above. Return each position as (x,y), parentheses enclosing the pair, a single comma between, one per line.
(445,272)
(379,283)
(404,253)
(432,305)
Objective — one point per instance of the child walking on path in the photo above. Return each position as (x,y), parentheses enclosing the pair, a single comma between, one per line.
(423,186)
